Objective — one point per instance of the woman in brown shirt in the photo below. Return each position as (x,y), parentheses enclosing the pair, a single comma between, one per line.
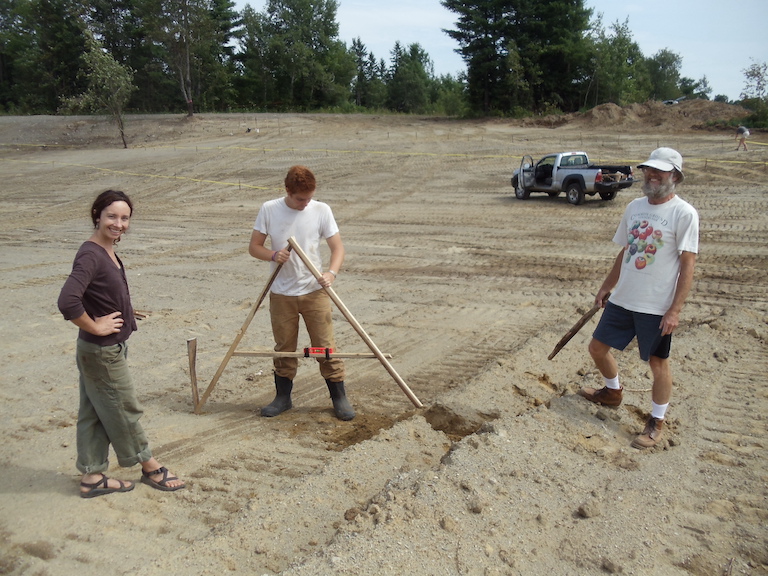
(96,299)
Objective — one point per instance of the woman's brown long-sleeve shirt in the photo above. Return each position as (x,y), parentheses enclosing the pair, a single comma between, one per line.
(98,287)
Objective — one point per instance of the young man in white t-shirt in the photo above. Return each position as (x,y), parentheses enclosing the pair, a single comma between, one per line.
(295,291)
(650,279)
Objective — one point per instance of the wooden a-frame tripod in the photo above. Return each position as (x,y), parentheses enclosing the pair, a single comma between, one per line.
(375,352)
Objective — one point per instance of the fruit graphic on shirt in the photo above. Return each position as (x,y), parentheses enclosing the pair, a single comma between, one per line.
(644,242)
(646,233)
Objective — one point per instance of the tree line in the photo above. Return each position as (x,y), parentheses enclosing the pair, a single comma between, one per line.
(521,57)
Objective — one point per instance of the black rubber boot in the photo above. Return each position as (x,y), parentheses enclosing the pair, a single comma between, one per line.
(341,405)
(282,401)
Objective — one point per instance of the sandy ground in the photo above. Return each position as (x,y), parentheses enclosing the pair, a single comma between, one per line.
(504,471)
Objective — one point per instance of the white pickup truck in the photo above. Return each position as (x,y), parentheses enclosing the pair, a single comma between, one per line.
(569,172)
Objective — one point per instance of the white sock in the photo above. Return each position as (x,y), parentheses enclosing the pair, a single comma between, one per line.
(612,383)
(658,410)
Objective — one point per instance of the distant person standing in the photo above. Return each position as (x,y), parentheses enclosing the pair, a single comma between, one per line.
(742,133)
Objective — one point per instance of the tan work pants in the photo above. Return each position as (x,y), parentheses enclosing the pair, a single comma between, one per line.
(315,308)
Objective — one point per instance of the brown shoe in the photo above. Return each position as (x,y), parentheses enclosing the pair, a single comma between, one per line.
(605,396)
(651,435)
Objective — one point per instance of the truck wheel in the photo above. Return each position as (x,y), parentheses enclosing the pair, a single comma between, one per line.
(574,193)
(610,195)
(522,193)
(514,181)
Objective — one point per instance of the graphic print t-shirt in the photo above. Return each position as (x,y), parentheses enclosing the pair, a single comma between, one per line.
(654,236)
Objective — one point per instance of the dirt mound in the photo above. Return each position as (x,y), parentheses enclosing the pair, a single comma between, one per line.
(687,115)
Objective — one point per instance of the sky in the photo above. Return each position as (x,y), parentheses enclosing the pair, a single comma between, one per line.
(718,39)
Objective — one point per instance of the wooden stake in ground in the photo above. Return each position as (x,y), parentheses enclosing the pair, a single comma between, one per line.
(574,329)
(233,346)
(192,353)
(356,325)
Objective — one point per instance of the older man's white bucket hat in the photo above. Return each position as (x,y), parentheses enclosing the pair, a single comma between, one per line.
(666,160)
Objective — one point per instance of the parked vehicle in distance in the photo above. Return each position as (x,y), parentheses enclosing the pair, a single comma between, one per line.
(572,173)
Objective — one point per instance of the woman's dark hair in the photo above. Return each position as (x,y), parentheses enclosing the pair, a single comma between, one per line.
(105,199)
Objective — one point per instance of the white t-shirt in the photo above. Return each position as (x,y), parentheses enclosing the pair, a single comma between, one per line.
(654,236)
(308,227)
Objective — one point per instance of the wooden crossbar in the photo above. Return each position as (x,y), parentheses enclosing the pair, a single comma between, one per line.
(269,354)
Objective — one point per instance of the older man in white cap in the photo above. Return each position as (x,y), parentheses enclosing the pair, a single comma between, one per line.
(645,290)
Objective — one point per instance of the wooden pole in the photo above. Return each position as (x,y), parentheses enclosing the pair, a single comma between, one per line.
(356,325)
(574,329)
(233,346)
(192,353)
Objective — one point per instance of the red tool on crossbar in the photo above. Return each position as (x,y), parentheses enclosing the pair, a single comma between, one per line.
(317,352)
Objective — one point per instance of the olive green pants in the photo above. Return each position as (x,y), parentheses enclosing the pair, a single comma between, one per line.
(315,309)
(109,411)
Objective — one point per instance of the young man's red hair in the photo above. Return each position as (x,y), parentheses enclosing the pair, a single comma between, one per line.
(299,180)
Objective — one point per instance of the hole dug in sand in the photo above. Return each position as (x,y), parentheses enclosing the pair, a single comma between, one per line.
(456,422)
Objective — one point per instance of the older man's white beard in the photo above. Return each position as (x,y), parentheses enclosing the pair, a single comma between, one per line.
(659,193)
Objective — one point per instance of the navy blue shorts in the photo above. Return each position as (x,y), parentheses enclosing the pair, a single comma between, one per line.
(618,326)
